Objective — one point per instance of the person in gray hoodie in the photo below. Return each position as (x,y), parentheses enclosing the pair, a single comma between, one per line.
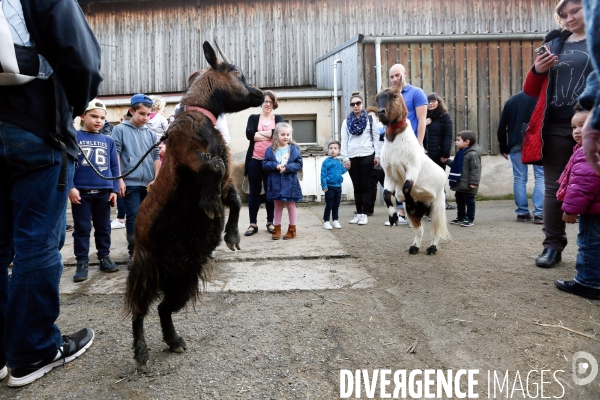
(133,139)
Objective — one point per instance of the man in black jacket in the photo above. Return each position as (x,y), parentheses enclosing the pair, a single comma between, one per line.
(37,153)
(513,123)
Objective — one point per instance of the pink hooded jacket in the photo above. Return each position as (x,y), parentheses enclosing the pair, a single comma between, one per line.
(582,194)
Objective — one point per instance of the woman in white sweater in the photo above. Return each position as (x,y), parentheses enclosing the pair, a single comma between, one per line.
(360,153)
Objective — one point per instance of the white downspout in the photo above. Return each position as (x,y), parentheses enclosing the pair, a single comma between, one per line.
(335,101)
(378,64)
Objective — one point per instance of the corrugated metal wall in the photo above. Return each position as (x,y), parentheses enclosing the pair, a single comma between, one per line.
(349,78)
(152,46)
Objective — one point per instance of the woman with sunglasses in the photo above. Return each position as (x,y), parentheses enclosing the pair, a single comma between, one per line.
(360,153)
(259,132)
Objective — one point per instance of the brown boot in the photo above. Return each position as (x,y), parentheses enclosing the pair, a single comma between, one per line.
(276,235)
(291,233)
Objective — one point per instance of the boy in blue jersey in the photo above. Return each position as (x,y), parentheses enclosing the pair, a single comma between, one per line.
(92,196)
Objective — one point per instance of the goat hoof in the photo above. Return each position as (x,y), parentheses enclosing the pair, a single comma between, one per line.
(413,250)
(431,250)
(141,355)
(177,345)
(177,349)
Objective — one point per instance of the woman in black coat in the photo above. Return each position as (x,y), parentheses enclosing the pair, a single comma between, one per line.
(438,137)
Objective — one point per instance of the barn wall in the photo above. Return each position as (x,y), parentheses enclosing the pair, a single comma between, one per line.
(475,78)
(152,46)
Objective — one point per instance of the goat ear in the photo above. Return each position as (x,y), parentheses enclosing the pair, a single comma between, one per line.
(210,55)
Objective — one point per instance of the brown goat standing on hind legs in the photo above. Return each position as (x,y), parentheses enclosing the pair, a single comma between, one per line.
(181,220)
(410,174)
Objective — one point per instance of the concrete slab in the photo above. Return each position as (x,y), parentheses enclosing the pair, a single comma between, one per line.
(312,242)
(252,276)
(314,260)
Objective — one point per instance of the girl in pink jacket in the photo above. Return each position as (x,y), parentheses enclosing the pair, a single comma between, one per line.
(580,193)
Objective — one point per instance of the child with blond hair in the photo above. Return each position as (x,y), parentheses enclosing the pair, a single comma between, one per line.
(283,161)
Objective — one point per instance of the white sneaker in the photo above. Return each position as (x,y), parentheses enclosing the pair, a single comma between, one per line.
(327,225)
(364,220)
(357,217)
(336,224)
(116,224)
(402,220)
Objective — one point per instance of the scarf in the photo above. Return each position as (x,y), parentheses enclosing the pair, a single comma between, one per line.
(356,125)
(566,174)
(456,168)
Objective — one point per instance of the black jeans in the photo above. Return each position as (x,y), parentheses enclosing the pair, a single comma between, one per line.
(558,148)
(333,195)
(360,173)
(377,176)
(94,207)
(256,177)
(465,201)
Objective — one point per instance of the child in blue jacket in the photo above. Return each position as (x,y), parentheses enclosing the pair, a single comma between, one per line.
(283,161)
(91,196)
(332,170)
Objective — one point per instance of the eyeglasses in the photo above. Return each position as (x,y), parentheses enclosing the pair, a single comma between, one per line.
(358,103)
(268,102)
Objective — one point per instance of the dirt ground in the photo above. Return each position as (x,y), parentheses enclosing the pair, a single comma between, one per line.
(479,303)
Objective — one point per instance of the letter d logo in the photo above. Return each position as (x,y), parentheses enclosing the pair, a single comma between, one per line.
(584,363)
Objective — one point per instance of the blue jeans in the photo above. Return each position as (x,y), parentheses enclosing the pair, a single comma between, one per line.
(520,185)
(32,231)
(134,195)
(588,240)
(94,207)
(333,195)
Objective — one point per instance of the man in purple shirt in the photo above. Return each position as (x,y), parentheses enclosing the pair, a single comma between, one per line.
(415,99)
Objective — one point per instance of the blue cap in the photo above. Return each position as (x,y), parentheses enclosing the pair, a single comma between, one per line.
(141,98)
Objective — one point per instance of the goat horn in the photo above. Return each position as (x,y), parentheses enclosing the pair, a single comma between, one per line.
(223,56)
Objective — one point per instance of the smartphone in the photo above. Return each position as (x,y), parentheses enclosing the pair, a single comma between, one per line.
(543,49)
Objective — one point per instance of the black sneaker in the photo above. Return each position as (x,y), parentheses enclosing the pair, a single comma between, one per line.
(81,274)
(107,265)
(538,220)
(467,222)
(456,221)
(524,217)
(73,346)
(129,263)
(70,228)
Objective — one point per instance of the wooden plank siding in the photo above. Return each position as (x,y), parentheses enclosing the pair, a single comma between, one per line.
(475,78)
(152,46)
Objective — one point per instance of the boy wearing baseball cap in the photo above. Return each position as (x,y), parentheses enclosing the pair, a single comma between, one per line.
(91,196)
(133,139)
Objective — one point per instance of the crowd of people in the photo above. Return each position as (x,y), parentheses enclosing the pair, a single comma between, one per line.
(556,125)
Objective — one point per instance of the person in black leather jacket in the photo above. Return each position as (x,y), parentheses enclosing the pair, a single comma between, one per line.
(438,136)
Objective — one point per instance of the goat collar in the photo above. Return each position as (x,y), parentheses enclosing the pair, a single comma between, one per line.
(396,125)
(204,111)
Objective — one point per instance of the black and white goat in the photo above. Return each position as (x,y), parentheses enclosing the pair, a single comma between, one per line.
(410,174)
